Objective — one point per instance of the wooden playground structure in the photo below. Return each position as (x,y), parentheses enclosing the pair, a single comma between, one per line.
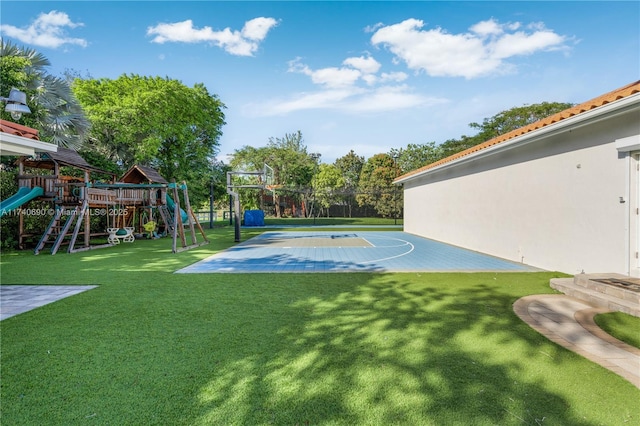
(141,203)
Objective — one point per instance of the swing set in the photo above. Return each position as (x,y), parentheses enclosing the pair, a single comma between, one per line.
(133,206)
(143,207)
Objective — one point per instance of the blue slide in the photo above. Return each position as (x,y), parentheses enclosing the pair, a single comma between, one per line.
(172,207)
(23,195)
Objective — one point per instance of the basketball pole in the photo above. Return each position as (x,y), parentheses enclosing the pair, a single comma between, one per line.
(262,176)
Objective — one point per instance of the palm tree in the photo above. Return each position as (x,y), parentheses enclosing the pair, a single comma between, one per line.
(56,113)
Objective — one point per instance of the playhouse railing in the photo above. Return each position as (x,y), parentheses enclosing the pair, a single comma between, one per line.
(101,197)
(64,189)
(134,196)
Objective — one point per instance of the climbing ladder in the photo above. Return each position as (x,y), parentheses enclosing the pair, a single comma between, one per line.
(57,231)
(167,218)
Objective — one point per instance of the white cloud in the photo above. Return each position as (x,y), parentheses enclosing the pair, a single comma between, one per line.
(335,77)
(325,99)
(340,89)
(525,44)
(352,100)
(388,98)
(373,28)
(354,69)
(257,28)
(486,28)
(240,43)
(367,65)
(393,76)
(47,30)
(331,77)
(479,52)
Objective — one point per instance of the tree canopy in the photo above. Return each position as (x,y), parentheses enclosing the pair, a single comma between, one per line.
(501,123)
(376,187)
(154,121)
(293,167)
(415,156)
(327,181)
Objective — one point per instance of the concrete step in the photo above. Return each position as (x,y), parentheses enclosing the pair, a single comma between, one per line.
(585,287)
(598,283)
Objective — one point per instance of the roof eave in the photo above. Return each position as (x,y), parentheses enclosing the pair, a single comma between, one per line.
(609,110)
(19,145)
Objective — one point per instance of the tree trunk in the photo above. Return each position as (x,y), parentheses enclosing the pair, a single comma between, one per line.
(276,202)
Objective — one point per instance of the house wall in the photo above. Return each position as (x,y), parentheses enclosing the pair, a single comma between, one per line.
(553,203)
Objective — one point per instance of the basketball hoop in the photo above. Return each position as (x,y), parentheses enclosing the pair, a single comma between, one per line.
(272,188)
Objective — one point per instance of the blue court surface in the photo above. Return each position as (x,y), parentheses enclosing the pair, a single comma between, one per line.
(349,251)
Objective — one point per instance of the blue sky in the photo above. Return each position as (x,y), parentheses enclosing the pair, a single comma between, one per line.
(367,76)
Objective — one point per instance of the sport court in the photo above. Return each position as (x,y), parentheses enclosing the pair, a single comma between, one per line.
(349,251)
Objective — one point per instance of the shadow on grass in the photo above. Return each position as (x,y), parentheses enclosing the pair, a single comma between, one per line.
(99,266)
(152,347)
(280,263)
(387,353)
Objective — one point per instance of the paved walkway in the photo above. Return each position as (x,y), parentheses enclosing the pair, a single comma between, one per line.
(569,323)
(16,299)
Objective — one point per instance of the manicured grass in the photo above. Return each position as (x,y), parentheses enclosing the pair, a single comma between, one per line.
(149,347)
(621,326)
(324,221)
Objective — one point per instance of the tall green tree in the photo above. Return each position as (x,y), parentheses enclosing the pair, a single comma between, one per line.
(155,121)
(55,111)
(249,159)
(293,166)
(350,166)
(415,156)
(516,117)
(502,123)
(325,184)
(376,188)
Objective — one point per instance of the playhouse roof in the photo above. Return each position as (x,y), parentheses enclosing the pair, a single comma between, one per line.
(142,174)
(63,157)
(607,98)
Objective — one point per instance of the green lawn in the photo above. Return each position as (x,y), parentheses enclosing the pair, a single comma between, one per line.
(149,347)
(621,326)
(333,221)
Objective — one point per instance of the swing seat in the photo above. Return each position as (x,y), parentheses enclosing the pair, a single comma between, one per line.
(149,226)
(116,234)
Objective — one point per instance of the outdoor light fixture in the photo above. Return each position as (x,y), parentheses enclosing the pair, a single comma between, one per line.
(16,104)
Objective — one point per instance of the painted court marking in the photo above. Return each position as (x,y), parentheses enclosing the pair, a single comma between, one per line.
(332,251)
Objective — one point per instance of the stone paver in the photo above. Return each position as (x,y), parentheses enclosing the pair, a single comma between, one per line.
(16,299)
(569,323)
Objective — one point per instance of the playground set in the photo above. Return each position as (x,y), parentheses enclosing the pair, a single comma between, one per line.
(141,203)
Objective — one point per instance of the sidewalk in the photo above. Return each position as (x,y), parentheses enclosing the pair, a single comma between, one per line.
(569,323)
(16,299)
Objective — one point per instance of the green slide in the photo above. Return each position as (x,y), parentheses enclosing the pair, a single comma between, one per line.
(23,195)
(172,207)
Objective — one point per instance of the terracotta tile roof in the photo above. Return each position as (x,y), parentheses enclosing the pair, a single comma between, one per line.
(620,93)
(18,130)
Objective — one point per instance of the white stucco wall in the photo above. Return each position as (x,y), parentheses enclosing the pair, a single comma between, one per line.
(554,203)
